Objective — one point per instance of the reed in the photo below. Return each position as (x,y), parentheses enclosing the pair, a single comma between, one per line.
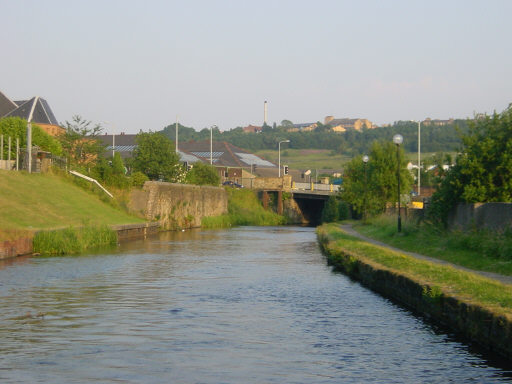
(74,240)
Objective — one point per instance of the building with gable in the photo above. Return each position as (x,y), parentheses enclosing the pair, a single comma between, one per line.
(36,110)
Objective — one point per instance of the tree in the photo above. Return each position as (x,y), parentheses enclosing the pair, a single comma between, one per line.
(483,170)
(16,128)
(80,143)
(156,157)
(203,174)
(379,186)
(330,212)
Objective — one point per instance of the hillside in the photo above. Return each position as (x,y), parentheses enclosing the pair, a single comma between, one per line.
(45,201)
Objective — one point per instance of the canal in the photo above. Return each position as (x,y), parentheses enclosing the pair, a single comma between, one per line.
(247,305)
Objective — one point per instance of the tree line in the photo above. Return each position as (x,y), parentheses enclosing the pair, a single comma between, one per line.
(351,143)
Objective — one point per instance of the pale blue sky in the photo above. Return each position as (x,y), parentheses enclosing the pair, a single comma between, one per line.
(138,64)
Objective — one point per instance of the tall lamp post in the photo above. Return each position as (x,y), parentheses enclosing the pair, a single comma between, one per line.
(211,143)
(419,157)
(365,161)
(398,139)
(279,154)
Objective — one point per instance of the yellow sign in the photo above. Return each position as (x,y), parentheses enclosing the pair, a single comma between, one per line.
(417,204)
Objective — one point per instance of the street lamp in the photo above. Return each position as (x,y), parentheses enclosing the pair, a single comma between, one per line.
(419,157)
(398,139)
(365,161)
(211,143)
(279,154)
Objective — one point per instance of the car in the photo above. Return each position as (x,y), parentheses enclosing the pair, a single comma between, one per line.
(233,184)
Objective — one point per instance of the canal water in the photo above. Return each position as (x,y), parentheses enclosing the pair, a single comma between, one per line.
(247,305)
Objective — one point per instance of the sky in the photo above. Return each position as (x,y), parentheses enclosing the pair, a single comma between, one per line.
(139,65)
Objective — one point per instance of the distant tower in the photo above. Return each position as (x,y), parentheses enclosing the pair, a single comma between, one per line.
(265,113)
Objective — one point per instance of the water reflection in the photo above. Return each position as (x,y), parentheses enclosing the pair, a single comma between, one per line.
(247,305)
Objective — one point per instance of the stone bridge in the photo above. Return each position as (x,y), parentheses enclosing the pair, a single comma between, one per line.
(302,202)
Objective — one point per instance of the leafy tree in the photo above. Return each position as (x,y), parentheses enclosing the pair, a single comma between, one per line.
(118,164)
(203,174)
(156,157)
(379,186)
(16,127)
(483,170)
(80,141)
(286,123)
(330,212)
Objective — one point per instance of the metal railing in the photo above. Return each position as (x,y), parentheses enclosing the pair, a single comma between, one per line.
(315,187)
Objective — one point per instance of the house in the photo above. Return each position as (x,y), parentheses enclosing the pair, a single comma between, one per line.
(232,163)
(35,110)
(303,127)
(124,144)
(252,129)
(439,123)
(345,124)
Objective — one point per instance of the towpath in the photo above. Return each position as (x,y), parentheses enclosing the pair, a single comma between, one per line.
(351,231)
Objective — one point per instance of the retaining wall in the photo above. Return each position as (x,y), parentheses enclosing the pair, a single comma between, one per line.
(18,247)
(493,216)
(481,325)
(178,205)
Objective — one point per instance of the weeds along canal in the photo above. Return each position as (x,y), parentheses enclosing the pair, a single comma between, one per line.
(250,304)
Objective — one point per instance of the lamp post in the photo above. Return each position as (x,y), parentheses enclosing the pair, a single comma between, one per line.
(279,154)
(398,139)
(419,157)
(365,161)
(211,143)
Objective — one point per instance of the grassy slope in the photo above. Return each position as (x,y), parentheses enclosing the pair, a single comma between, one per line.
(43,201)
(449,246)
(244,209)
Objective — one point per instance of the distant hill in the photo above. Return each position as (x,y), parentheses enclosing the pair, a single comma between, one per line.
(434,138)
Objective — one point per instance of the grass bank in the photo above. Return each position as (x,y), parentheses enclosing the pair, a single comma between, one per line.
(479,250)
(30,202)
(244,208)
(74,240)
(478,307)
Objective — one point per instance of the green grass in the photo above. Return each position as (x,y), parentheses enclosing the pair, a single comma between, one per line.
(244,208)
(46,201)
(439,278)
(74,240)
(482,250)
(306,158)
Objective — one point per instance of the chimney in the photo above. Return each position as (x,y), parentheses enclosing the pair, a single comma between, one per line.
(265,112)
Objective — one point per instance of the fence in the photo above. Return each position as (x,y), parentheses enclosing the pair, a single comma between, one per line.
(12,157)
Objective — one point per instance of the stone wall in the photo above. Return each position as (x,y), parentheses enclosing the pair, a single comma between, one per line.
(273,183)
(18,247)
(178,205)
(493,216)
(491,330)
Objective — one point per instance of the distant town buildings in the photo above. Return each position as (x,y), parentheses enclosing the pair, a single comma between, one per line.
(428,121)
(252,129)
(345,124)
(37,110)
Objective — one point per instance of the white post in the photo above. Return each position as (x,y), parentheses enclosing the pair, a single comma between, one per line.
(279,157)
(9,152)
(17,153)
(29,147)
(211,145)
(279,154)
(419,157)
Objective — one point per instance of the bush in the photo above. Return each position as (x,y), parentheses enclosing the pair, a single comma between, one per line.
(138,179)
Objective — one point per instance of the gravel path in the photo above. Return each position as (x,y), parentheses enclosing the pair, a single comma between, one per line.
(351,231)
